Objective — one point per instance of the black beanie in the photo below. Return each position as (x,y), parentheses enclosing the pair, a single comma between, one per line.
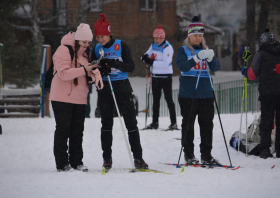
(267,36)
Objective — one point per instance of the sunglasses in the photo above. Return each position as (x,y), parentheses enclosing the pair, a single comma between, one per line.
(194,31)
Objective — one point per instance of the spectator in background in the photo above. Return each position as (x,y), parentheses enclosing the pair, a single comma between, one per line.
(159,59)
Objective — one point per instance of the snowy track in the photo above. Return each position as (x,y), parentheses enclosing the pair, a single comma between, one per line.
(28,166)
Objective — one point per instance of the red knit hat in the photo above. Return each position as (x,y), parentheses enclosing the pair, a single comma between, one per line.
(102,26)
(159,33)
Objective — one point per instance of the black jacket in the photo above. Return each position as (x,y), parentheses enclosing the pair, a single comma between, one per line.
(263,66)
(119,86)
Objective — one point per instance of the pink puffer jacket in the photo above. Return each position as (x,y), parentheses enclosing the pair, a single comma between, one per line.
(63,88)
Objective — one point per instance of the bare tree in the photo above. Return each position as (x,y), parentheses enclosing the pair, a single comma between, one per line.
(263,17)
(85,5)
(29,12)
(250,25)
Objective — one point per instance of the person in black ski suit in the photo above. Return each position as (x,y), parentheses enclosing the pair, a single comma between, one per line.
(266,67)
(159,59)
(188,60)
(118,61)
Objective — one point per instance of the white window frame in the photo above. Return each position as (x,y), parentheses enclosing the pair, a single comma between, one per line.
(97,8)
(147,6)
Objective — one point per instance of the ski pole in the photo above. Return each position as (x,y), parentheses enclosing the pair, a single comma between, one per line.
(184,139)
(246,55)
(146,97)
(210,79)
(124,135)
(243,97)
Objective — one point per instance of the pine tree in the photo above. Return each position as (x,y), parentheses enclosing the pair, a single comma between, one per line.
(22,58)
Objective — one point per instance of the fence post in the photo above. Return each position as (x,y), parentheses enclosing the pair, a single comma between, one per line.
(1,65)
(45,63)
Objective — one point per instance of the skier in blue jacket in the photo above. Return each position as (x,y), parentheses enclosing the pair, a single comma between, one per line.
(192,58)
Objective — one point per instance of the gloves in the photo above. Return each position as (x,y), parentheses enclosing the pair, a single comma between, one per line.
(211,55)
(106,70)
(106,65)
(144,57)
(244,70)
(107,62)
(203,54)
(147,60)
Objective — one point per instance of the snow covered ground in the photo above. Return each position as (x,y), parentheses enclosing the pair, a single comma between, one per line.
(28,166)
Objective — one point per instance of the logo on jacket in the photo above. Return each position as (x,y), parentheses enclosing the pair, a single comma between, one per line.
(117,47)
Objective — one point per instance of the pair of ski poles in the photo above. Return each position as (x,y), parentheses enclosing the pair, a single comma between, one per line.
(184,138)
(246,55)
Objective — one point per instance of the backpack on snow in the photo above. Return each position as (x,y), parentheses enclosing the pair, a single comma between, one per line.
(253,139)
(49,74)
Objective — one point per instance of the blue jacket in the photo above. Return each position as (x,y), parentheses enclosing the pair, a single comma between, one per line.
(188,83)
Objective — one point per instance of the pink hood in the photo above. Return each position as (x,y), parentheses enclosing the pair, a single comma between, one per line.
(68,39)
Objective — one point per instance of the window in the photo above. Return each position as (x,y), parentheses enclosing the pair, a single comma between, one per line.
(61,8)
(97,7)
(148,5)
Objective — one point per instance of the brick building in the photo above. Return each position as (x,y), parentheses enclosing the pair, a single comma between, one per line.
(131,20)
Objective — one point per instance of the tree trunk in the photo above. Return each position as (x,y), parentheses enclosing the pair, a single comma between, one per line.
(263,17)
(250,25)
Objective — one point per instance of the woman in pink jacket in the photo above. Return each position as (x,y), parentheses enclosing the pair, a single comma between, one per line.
(68,96)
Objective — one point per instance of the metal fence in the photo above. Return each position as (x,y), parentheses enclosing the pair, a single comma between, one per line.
(228,96)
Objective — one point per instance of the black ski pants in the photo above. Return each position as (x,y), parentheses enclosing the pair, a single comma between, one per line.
(204,108)
(126,106)
(69,120)
(268,108)
(164,84)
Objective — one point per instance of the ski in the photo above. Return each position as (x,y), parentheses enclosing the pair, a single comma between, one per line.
(105,169)
(160,129)
(207,166)
(150,171)
(170,129)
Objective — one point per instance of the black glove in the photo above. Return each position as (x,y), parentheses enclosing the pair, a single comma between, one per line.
(244,70)
(144,57)
(104,71)
(149,61)
(107,62)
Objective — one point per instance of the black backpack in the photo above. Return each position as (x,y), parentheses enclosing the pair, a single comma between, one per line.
(49,74)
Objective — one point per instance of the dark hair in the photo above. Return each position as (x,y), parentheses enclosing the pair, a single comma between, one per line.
(77,47)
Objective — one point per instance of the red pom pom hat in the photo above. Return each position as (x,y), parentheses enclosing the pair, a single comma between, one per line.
(102,26)
(159,33)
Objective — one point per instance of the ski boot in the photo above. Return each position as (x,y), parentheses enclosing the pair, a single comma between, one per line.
(172,127)
(66,168)
(140,164)
(153,125)
(265,153)
(208,159)
(191,159)
(82,168)
(107,164)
